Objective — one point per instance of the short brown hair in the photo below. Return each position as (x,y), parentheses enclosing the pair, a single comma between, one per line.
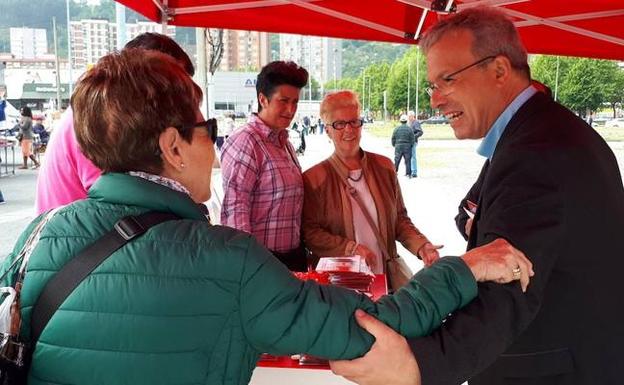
(278,73)
(123,104)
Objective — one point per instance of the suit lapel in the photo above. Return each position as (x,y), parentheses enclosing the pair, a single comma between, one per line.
(528,109)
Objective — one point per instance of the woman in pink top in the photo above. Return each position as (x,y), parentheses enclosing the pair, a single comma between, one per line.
(66,174)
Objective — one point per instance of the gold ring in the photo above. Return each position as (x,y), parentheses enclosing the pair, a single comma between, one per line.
(516,272)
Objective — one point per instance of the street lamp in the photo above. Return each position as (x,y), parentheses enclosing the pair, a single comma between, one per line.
(335,53)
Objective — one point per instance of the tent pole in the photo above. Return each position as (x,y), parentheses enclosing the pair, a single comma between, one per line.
(164,17)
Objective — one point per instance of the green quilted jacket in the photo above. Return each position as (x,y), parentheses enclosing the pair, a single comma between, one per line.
(192,303)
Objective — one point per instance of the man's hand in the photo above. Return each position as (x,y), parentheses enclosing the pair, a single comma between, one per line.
(389,362)
(500,262)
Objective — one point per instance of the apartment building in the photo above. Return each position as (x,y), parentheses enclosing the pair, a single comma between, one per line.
(28,43)
(93,38)
(244,50)
(321,56)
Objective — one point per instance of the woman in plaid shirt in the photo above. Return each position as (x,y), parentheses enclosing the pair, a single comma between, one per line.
(262,179)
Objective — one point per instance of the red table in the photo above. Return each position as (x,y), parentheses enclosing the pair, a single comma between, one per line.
(378,289)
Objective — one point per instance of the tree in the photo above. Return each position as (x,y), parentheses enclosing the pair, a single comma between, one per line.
(400,72)
(371,85)
(358,55)
(586,85)
(615,90)
(544,69)
(214,41)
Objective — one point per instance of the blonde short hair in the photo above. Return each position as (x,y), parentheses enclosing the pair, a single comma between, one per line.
(337,100)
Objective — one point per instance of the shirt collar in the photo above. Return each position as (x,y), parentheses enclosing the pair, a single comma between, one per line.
(276,137)
(136,191)
(161,180)
(488,145)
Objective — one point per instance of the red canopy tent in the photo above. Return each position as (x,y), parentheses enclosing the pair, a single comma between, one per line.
(588,28)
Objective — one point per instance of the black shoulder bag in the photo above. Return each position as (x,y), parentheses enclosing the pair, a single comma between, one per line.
(15,354)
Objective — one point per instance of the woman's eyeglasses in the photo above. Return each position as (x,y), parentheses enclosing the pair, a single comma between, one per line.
(341,124)
(209,125)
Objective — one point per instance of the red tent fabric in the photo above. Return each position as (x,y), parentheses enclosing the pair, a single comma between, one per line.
(588,28)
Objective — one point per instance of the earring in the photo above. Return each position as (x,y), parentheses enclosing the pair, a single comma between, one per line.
(182,165)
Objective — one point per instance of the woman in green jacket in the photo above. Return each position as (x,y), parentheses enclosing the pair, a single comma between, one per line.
(187,302)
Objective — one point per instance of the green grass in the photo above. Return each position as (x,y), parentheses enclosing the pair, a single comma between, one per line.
(445,132)
(431,131)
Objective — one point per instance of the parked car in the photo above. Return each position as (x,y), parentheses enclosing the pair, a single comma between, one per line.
(618,122)
(436,120)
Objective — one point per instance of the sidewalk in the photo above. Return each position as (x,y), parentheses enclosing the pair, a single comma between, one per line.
(19,193)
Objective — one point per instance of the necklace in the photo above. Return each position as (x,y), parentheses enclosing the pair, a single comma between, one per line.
(356,179)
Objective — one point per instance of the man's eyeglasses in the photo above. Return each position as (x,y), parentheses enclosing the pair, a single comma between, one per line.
(444,88)
(341,124)
(209,125)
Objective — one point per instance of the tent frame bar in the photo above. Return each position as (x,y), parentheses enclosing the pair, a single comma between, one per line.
(564,27)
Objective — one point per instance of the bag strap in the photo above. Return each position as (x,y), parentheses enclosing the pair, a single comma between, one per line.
(78,268)
(353,192)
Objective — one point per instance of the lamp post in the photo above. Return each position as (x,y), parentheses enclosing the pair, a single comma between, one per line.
(335,53)
(310,61)
(417,80)
(557,79)
(69,50)
(409,70)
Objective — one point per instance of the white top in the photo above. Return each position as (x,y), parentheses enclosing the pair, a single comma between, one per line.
(229,126)
(364,235)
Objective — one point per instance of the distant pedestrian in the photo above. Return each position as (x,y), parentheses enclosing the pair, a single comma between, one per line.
(306,124)
(403,141)
(414,124)
(26,138)
(3,104)
(2,201)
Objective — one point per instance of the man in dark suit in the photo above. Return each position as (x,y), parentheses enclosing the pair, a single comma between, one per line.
(551,187)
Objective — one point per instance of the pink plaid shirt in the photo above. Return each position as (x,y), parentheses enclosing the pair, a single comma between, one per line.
(263,186)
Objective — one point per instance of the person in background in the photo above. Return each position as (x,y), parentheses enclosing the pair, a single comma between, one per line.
(3,104)
(403,141)
(334,223)
(551,186)
(66,174)
(187,302)
(3,126)
(262,184)
(230,126)
(26,138)
(321,126)
(39,129)
(414,124)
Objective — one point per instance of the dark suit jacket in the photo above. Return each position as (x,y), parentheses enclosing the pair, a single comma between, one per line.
(554,190)
(473,195)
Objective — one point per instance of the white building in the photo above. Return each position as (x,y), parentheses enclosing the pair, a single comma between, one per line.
(28,43)
(234,91)
(135,29)
(321,56)
(93,38)
(244,50)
